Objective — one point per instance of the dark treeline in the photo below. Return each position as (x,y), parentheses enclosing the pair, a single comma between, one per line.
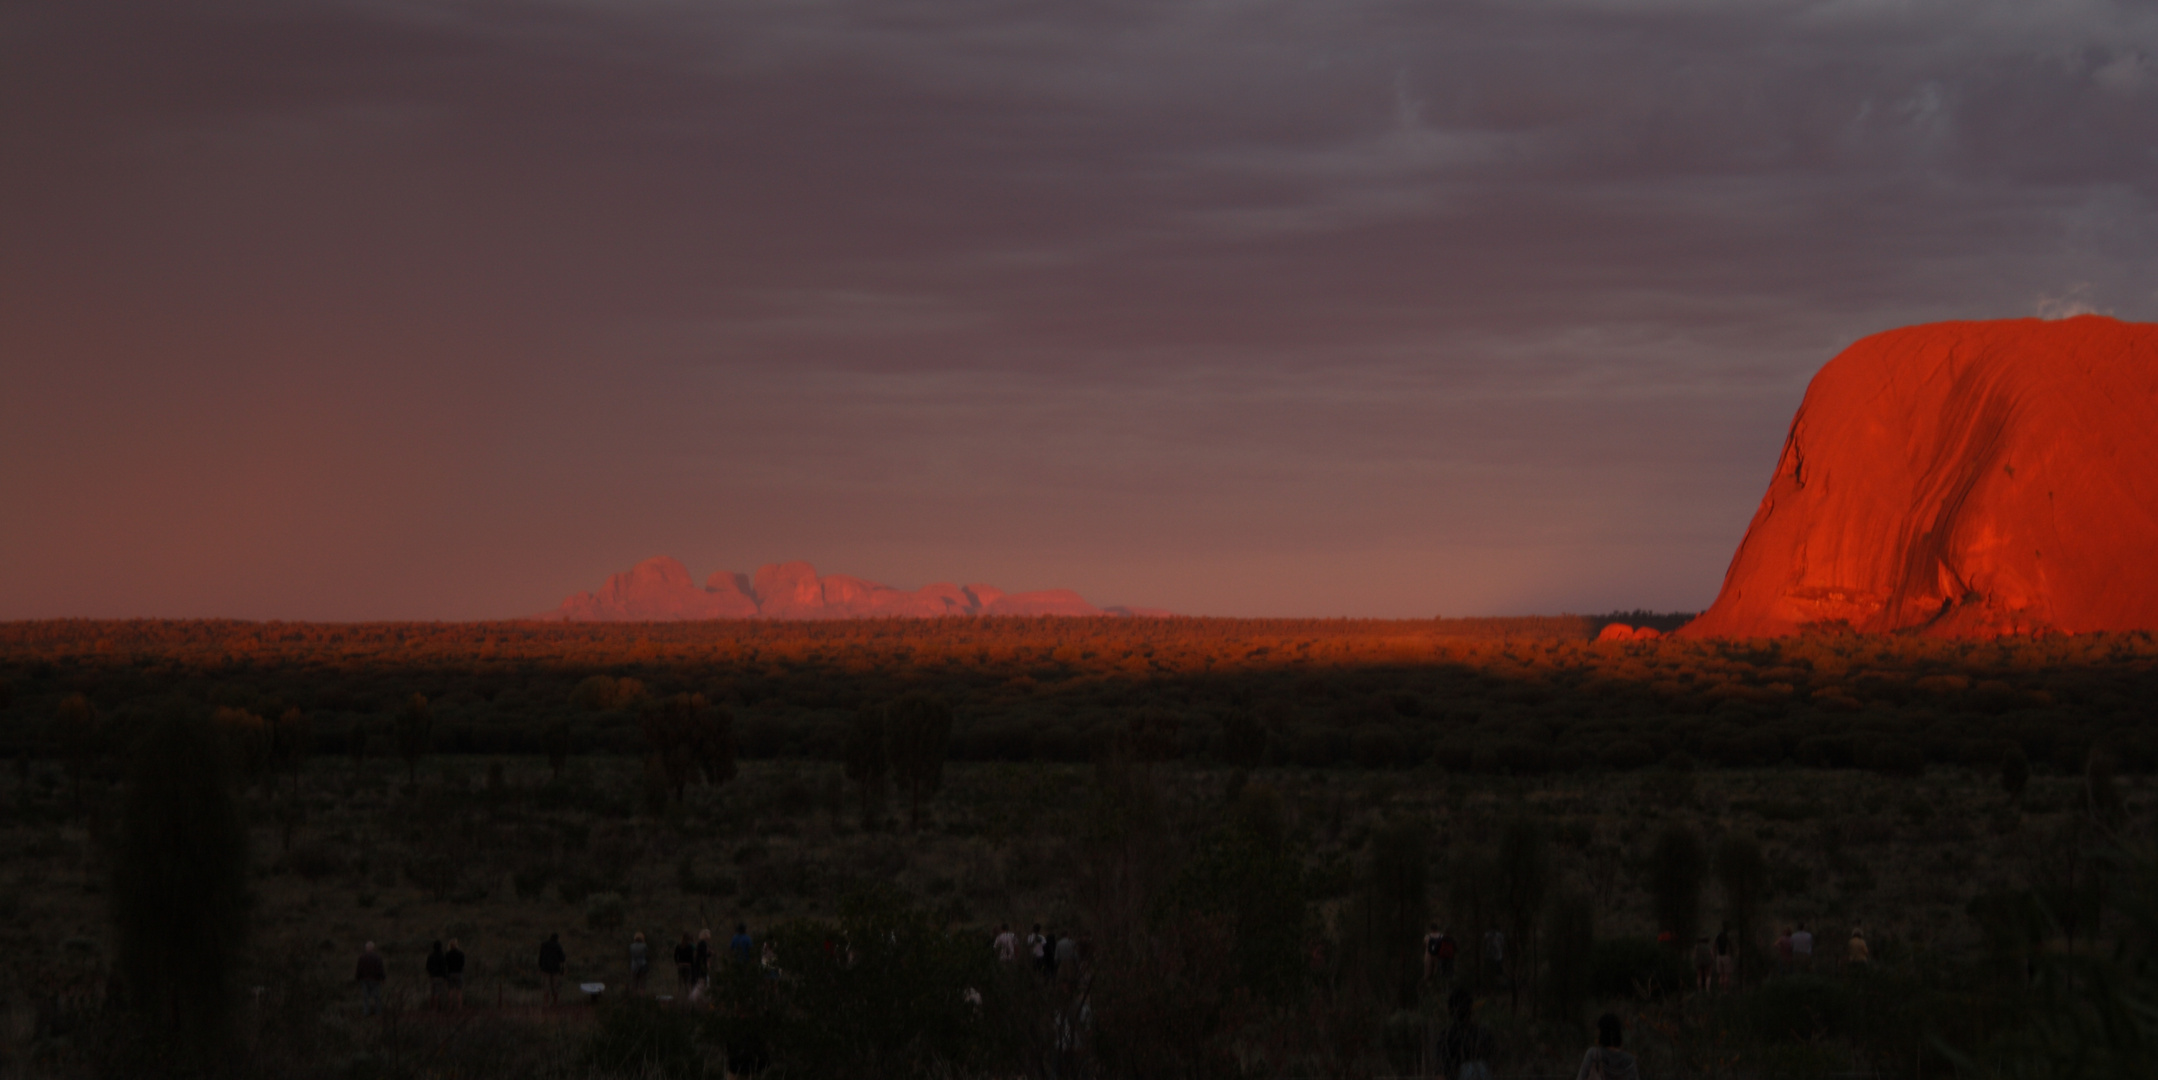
(1503,696)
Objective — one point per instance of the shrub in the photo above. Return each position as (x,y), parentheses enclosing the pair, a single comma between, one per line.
(1570,945)
(1378,748)
(890,1003)
(180,900)
(313,862)
(1636,968)
(1798,1008)
(641,1037)
(1403,1038)
(603,911)
(1676,868)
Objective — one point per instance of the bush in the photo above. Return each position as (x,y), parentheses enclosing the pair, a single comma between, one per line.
(313,862)
(1676,867)
(890,1004)
(1636,968)
(603,911)
(641,1037)
(1378,748)
(1798,1008)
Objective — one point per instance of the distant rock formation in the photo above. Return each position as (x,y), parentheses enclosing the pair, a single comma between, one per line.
(661,590)
(1621,632)
(1964,479)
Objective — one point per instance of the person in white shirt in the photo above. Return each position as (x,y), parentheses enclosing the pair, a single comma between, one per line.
(1007,944)
(1802,946)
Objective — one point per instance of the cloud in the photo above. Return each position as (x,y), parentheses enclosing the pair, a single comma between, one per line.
(1117,287)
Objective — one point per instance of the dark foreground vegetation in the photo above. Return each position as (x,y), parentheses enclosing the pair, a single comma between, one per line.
(1246,826)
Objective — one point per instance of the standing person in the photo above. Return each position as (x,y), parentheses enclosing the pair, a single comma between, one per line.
(640,961)
(453,974)
(1783,951)
(370,976)
(1006,943)
(1860,955)
(551,962)
(1802,947)
(1495,954)
(700,965)
(742,945)
(435,976)
(1704,964)
(1049,954)
(1726,958)
(1432,938)
(1447,949)
(1465,1047)
(684,954)
(1068,960)
(1605,1061)
(1036,944)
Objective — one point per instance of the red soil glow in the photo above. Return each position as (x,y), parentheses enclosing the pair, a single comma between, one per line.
(1964,479)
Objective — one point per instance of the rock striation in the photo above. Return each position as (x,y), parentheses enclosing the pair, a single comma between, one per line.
(662,590)
(1962,479)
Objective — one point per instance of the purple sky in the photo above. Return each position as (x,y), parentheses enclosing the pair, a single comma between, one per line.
(322,310)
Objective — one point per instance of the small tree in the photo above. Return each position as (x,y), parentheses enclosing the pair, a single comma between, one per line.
(1524,880)
(687,739)
(415,727)
(867,763)
(596,693)
(1743,873)
(288,743)
(556,741)
(1676,867)
(1569,947)
(247,741)
(1395,904)
(1243,740)
(180,901)
(2103,797)
(919,731)
(2015,773)
(81,737)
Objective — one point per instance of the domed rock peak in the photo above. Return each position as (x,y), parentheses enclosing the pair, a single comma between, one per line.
(660,590)
(1962,478)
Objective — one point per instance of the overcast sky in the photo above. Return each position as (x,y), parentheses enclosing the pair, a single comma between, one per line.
(1337,307)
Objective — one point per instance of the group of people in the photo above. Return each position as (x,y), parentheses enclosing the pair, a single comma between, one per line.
(1440,951)
(1056,957)
(1465,1048)
(446,968)
(1794,949)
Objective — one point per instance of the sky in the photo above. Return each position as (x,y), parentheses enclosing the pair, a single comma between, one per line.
(398,309)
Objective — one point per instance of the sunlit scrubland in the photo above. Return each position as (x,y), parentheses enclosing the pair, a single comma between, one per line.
(1248,823)
(1514,696)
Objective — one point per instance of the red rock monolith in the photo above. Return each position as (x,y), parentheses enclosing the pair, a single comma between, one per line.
(1966,479)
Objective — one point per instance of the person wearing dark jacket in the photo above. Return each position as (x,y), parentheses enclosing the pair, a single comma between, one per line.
(1465,1047)
(370,976)
(640,961)
(700,965)
(1605,1061)
(453,974)
(551,962)
(685,955)
(434,976)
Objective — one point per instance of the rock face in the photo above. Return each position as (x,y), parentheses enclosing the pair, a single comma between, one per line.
(1964,479)
(661,590)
